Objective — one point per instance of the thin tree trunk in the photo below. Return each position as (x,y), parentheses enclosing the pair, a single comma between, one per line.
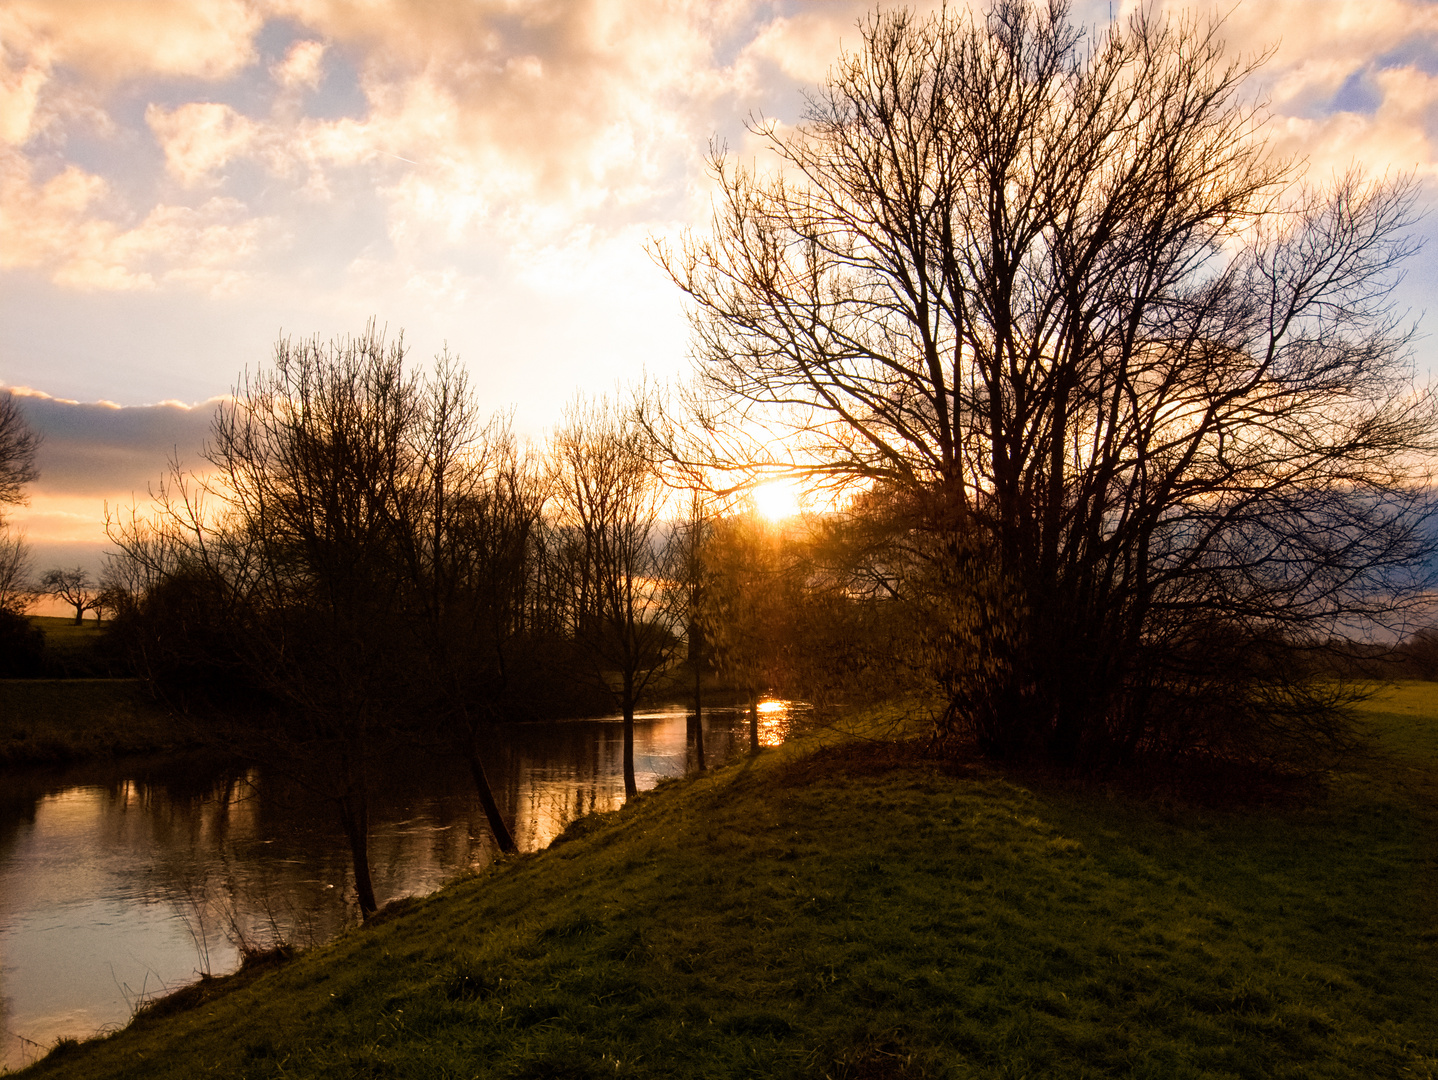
(502,836)
(753,723)
(354,817)
(698,716)
(631,789)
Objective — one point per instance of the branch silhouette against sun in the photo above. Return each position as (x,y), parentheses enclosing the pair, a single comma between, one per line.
(1138,386)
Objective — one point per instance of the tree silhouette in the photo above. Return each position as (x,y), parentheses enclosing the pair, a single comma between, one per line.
(18,446)
(75,587)
(1140,390)
(612,557)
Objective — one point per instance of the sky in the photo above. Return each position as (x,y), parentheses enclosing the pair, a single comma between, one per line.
(183,181)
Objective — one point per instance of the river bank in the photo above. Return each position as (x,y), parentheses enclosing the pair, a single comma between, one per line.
(859,912)
(52,721)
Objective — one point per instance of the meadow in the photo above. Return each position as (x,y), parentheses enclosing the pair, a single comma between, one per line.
(851,909)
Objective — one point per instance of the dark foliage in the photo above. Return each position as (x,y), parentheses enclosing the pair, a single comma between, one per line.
(22,647)
(180,636)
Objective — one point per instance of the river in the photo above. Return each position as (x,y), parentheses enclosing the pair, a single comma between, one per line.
(120,881)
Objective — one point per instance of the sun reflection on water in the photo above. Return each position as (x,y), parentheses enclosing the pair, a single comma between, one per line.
(776,719)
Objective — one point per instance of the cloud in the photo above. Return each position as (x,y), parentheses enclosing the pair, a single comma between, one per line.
(285,141)
(1394,137)
(516,119)
(1331,65)
(93,454)
(208,39)
(302,67)
(98,450)
(487,119)
(200,138)
(60,225)
(804,45)
(526,119)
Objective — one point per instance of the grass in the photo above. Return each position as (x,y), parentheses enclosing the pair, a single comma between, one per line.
(65,633)
(57,720)
(849,914)
(73,651)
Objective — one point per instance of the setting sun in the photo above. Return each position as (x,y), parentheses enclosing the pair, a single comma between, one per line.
(778,499)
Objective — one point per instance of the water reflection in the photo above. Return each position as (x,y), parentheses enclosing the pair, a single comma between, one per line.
(119,882)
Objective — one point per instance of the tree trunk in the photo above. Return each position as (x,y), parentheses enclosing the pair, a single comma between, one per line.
(753,723)
(698,716)
(631,789)
(502,836)
(79,614)
(354,817)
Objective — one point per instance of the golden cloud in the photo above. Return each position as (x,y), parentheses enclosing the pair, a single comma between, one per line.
(535,123)
(303,66)
(57,225)
(208,39)
(200,138)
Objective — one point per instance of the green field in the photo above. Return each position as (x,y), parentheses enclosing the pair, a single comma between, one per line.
(862,913)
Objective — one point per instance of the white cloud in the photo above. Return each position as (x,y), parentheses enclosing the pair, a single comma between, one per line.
(1316,44)
(536,134)
(1393,138)
(804,45)
(302,67)
(200,138)
(208,39)
(58,225)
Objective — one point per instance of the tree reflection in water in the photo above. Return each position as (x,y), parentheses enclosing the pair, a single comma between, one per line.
(119,882)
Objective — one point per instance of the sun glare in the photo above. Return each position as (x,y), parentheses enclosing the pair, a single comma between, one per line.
(777,499)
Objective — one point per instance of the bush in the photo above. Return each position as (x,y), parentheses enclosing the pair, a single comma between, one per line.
(22,647)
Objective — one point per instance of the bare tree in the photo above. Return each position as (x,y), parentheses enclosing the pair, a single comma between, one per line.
(1141,389)
(315,462)
(178,579)
(466,554)
(16,594)
(612,554)
(692,580)
(18,446)
(75,587)
(353,557)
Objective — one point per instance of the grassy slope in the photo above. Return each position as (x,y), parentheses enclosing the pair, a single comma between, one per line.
(835,918)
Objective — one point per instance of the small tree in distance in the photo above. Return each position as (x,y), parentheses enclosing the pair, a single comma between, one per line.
(75,587)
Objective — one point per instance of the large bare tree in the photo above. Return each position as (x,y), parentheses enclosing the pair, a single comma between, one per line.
(1140,387)
(315,462)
